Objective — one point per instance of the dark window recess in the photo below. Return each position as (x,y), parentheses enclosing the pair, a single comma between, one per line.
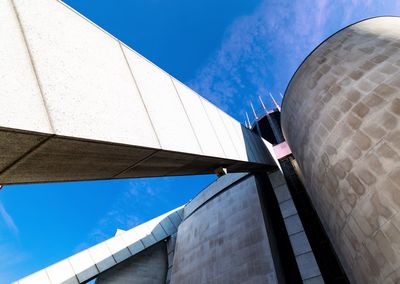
(281,249)
(269,128)
(328,262)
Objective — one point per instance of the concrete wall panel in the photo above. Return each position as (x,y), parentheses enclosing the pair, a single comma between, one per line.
(341,118)
(220,129)
(224,240)
(14,145)
(69,159)
(118,248)
(147,267)
(86,83)
(102,256)
(19,91)
(201,123)
(61,273)
(240,147)
(38,277)
(163,105)
(84,266)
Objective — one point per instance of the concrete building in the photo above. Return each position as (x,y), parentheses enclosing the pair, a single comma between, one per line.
(341,118)
(95,109)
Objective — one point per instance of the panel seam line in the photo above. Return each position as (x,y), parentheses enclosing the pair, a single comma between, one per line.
(34,68)
(184,109)
(140,94)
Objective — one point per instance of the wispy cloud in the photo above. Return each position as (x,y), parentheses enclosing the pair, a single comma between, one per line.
(132,206)
(10,257)
(5,216)
(262,50)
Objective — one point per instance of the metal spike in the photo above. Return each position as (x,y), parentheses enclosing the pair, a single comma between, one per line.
(274,101)
(254,112)
(245,122)
(248,120)
(262,104)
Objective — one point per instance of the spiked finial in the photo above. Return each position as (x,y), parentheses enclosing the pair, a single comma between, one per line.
(254,112)
(248,120)
(262,104)
(274,101)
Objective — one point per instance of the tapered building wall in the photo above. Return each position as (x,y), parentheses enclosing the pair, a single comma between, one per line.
(223,238)
(340,117)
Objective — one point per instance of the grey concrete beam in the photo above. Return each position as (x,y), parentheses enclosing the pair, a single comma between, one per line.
(78,104)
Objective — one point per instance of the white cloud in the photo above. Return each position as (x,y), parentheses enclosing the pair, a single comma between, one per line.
(261,51)
(140,196)
(8,219)
(10,257)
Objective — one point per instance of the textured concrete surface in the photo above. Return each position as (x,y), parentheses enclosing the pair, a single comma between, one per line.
(147,267)
(224,240)
(341,118)
(305,259)
(66,79)
(120,252)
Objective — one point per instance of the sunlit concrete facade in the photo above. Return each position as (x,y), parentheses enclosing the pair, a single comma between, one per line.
(81,105)
(341,118)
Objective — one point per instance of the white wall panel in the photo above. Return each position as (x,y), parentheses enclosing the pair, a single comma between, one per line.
(35,278)
(199,120)
(86,82)
(102,256)
(221,131)
(20,98)
(83,265)
(62,272)
(163,105)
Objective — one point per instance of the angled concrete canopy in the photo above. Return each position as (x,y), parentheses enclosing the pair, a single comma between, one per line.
(88,264)
(77,104)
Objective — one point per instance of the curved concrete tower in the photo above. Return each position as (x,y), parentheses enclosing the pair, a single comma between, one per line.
(340,117)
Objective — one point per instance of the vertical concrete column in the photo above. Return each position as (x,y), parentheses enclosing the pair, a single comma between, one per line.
(305,259)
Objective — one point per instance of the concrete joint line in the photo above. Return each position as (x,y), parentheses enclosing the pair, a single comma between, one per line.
(217,194)
(140,94)
(75,274)
(176,228)
(112,255)
(184,109)
(137,163)
(212,126)
(33,65)
(163,229)
(27,153)
(291,214)
(227,131)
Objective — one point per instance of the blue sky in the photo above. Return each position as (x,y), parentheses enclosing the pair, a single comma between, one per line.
(230,51)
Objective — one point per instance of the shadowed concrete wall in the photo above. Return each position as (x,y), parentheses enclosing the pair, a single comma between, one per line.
(147,267)
(223,238)
(340,117)
(78,104)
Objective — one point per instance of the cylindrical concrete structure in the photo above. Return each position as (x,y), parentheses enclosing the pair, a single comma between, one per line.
(340,117)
